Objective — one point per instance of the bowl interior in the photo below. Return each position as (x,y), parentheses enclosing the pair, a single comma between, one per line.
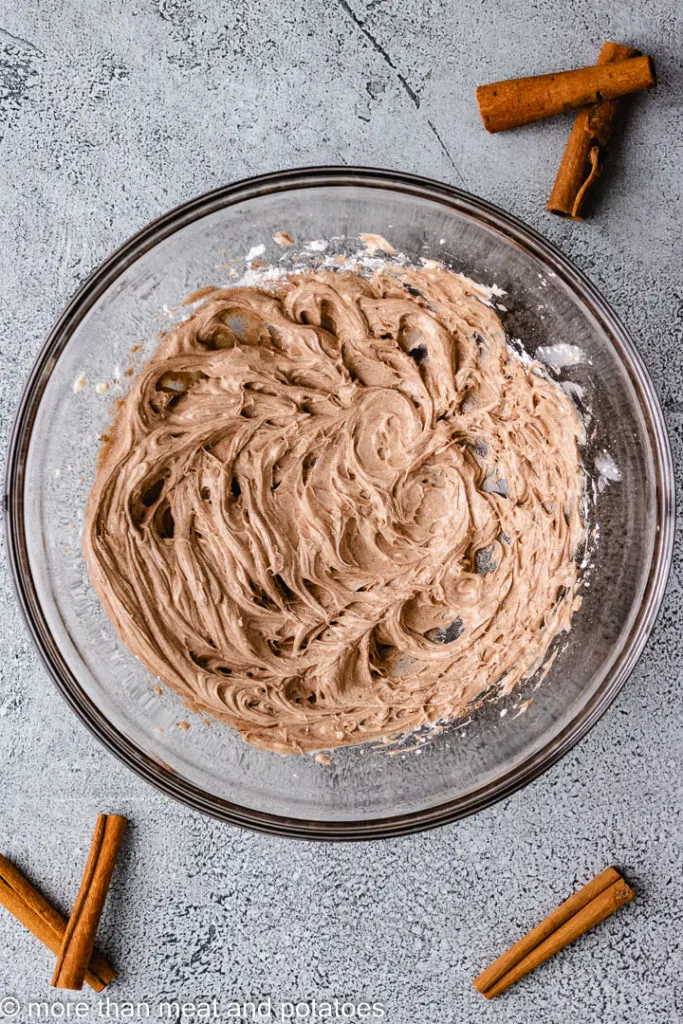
(469,762)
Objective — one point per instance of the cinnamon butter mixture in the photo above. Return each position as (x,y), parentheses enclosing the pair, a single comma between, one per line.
(338,508)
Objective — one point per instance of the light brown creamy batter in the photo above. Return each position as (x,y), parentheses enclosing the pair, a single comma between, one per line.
(338,508)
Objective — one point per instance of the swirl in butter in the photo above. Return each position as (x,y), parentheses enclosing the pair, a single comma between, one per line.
(335,507)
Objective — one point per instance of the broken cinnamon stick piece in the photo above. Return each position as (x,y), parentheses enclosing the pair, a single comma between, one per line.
(79,936)
(519,101)
(573,918)
(584,155)
(31,909)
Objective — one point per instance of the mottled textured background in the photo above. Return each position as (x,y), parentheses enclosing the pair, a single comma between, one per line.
(112,112)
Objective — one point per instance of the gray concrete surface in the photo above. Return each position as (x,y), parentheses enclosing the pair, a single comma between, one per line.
(112,112)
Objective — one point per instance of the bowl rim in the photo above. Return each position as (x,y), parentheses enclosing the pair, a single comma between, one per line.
(614,675)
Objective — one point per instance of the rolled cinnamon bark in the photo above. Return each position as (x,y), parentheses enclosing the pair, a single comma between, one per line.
(519,101)
(617,895)
(31,909)
(79,937)
(584,155)
(545,929)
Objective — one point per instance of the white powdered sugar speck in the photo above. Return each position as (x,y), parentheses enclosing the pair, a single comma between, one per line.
(255,252)
(607,469)
(560,355)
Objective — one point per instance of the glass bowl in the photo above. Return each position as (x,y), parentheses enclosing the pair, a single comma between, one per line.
(370,790)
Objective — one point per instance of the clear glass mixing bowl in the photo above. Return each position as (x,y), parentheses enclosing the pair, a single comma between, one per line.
(368,791)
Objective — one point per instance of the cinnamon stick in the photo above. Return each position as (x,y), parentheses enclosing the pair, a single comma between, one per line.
(519,101)
(31,909)
(79,936)
(574,918)
(584,155)
(546,928)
